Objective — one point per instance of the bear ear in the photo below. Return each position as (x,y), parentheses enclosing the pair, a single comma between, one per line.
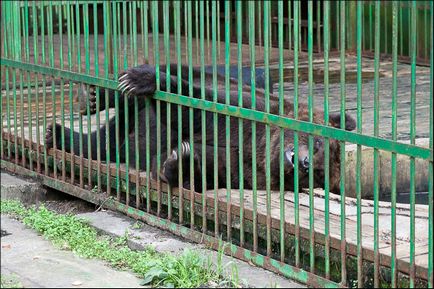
(335,120)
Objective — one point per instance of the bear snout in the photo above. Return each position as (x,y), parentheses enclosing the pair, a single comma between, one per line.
(304,163)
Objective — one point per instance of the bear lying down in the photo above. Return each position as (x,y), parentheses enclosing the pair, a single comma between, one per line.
(140,83)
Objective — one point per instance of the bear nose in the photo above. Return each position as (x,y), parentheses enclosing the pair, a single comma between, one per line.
(305,162)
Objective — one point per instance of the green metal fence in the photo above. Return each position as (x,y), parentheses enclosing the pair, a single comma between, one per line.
(264,169)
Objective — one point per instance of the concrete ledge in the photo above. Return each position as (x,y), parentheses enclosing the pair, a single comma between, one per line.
(142,235)
(26,191)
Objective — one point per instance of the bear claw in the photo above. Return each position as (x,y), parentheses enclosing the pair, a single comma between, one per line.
(88,95)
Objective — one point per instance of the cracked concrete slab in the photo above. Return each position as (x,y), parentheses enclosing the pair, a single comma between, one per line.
(35,262)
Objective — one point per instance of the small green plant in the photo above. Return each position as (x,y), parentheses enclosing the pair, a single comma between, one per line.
(10,281)
(188,269)
(137,225)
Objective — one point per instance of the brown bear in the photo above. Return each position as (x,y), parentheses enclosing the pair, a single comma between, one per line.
(140,82)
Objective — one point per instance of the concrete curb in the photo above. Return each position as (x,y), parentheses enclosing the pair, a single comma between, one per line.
(141,235)
(26,191)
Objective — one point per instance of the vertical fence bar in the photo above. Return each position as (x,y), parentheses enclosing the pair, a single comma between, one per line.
(166,18)
(136,106)
(62,92)
(267,127)
(145,25)
(29,92)
(1,105)
(342,144)
(147,109)
(393,258)
(177,20)
(44,94)
(430,173)
(228,17)
(338,25)
(50,23)
(385,8)
(130,28)
(119,42)
(239,14)
(376,128)
(70,96)
(207,28)
(426,30)
(253,92)
(87,70)
(155,34)
(123,50)
(359,160)
(97,95)
(296,191)
(218,29)
(80,119)
(318,26)
(21,31)
(185,24)
(14,85)
(215,120)
(190,110)
(18,56)
(413,43)
(3,48)
(14,75)
(363,24)
(6,44)
(126,105)
(281,134)
(401,31)
(133,29)
(310,140)
(203,117)
(107,53)
(196,17)
(326,16)
(259,26)
(358,170)
(289,26)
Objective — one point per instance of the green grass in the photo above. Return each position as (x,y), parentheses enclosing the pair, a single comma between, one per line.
(188,269)
(10,281)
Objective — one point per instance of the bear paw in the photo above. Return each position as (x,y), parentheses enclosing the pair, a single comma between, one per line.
(170,169)
(138,80)
(49,135)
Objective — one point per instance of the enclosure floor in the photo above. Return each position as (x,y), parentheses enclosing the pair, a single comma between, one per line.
(367,222)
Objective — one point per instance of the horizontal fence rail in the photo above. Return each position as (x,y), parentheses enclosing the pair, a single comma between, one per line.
(301,133)
(284,122)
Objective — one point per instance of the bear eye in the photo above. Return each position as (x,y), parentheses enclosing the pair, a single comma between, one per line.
(318,142)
